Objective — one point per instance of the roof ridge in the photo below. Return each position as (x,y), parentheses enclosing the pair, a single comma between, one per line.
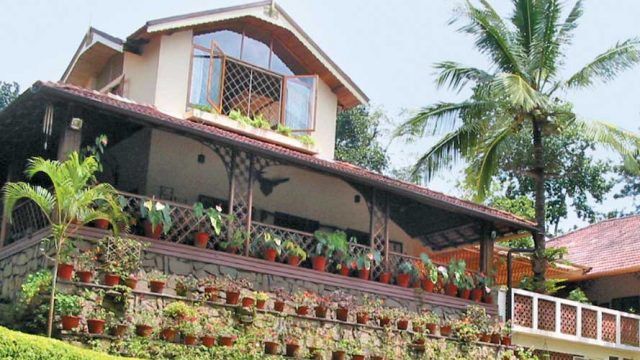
(627,217)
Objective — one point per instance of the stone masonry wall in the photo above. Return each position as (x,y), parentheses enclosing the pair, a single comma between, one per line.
(15,268)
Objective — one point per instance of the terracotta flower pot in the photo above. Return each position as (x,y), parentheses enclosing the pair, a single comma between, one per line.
(357,357)
(151,232)
(270,348)
(168,334)
(319,263)
(495,338)
(344,270)
(377,357)
(190,340)
(226,341)
(321,312)
(403,280)
(465,294)
(131,282)
(385,278)
(208,341)
(65,271)
(427,285)
(70,322)
(247,302)
(85,276)
(487,298)
(384,321)
(445,330)
(419,343)
(232,249)
(476,295)
(293,260)
(95,326)
(363,274)
(144,330)
(417,328)
(278,306)
(233,297)
(342,314)
(101,224)
(431,328)
(338,355)
(450,289)
(292,349)
(403,324)
(315,353)
(302,310)
(211,293)
(362,318)
(270,254)
(119,330)
(485,338)
(260,304)
(111,279)
(506,340)
(201,240)
(156,286)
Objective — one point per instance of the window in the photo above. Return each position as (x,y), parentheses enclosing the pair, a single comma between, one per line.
(300,98)
(627,304)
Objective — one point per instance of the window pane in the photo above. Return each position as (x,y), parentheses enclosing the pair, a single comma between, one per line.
(255,52)
(277,65)
(229,41)
(299,104)
(199,77)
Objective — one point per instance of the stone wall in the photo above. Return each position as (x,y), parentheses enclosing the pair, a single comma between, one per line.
(16,267)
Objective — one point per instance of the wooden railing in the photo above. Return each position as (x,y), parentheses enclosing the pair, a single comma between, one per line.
(27,218)
(545,315)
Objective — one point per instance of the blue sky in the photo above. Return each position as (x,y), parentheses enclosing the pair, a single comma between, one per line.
(387,47)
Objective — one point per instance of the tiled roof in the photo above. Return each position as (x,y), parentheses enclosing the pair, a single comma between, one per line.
(336,167)
(608,247)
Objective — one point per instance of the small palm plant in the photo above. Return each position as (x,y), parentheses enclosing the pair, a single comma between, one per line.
(74,199)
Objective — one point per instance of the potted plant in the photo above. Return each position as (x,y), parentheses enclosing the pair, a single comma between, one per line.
(341,348)
(477,315)
(261,299)
(303,301)
(233,287)
(190,331)
(385,277)
(356,350)
(295,253)
(385,315)
(292,341)
(186,285)
(464,286)
(210,326)
(270,244)
(402,320)
(247,298)
(281,297)
(211,286)
(235,242)
(118,326)
(328,243)
(201,238)
(367,307)
(322,304)
(452,276)
(145,321)
(343,303)
(169,330)
(65,265)
(481,284)
(96,320)
(505,333)
(157,218)
(179,311)
(131,280)
(429,273)
(86,263)
(157,281)
(318,340)
(430,322)
(445,327)
(406,272)
(464,330)
(227,332)
(69,308)
(121,259)
(365,261)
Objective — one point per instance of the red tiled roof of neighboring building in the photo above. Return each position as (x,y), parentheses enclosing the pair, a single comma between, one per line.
(336,167)
(608,247)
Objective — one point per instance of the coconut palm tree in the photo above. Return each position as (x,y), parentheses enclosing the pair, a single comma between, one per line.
(75,198)
(519,94)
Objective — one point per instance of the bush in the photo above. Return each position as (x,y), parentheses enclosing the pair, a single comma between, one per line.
(18,346)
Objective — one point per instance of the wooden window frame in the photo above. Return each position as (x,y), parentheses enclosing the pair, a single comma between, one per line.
(313,109)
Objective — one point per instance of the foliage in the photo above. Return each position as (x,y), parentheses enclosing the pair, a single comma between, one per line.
(408,267)
(30,312)
(185,285)
(304,298)
(549,287)
(290,248)
(68,305)
(8,93)
(190,328)
(270,241)
(283,130)
(87,259)
(179,310)
(237,240)
(342,300)
(205,108)
(158,214)
(368,259)
(357,138)
(578,295)
(306,140)
(235,285)
(213,215)
(428,270)
(454,273)
(329,243)
(121,255)
(156,275)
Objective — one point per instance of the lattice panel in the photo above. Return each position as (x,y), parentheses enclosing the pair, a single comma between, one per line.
(630,331)
(568,319)
(523,310)
(546,315)
(608,327)
(239,204)
(26,219)
(117,249)
(251,91)
(378,215)
(305,240)
(589,324)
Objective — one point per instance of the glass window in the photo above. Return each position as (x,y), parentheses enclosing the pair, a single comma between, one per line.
(228,41)
(277,65)
(255,52)
(300,102)
(206,73)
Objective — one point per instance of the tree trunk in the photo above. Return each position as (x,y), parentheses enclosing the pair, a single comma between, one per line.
(53,295)
(539,262)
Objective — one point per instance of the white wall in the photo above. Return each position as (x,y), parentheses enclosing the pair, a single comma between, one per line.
(141,73)
(326,114)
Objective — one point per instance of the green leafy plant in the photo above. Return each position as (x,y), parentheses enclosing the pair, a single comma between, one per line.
(290,248)
(269,240)
(213,215)
(69,305)
(261,296)
(185,285)
(145,317)
(578,295)
(87,260)
(121,255)
(237,240)
(304,298)
(205,108)
(430,270)
(407,267)
(190,328)
(454,273)
(329,243)
(284,130)
(156,275)
(306,140)
(368,259)
(157,213)
(260,122)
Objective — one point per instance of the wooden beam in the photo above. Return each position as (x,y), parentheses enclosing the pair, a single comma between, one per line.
(386,233)
(70,141)
(486,251)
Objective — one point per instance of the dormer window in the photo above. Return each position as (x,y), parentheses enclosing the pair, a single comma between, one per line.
(232,71)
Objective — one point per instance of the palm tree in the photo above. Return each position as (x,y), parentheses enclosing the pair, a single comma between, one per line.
(518,96)
(74,199)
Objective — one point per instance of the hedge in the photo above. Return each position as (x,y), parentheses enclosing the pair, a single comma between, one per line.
(19,346)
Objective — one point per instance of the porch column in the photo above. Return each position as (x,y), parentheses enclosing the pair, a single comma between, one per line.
(70,139)
(241,193)
(486,251)
(378,224)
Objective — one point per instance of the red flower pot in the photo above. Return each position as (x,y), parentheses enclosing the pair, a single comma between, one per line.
(445,330)
(384,321)
(131,282)
(344,270)
(85,276)
(270,348)
(342,314)
(119,330)
(377,357)
(315,353)
(232,249)
(168,334)
(211,293)
(65,271)
(417,328)
(152,233)
(363,274)
(465,294)
(233,297)
(201,240)
(278,306)
(293,260)
(485,338)
(450,289)
(208,341)
(111,279)
(247,302)
(302,310)
(156,286)
(292,350)
(427,285)
(495,338)
(95,326)
(385,278)
(321,312)
(190,340)
(476,295)
(403,324)
(506,340)
(403,280)
(319,263)
(338,355)
(144,330)
(487,298)
(431,328)
(362,318)
(101,224)
(226,341)
(260,304)
(270,254)
(357,357)
(70,322)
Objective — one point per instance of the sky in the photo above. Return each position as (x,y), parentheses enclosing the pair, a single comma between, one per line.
(387,47)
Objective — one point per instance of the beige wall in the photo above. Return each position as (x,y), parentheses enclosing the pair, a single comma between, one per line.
(326,112)
(605,289)
(546,343)
(173,72)
(141,73)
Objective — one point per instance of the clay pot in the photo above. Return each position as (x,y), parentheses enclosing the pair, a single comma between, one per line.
(321,312)
(338,355)
(385,278)
(70,322)
(85,276)
(270,348)
(450,289)
(495,338)
(292,350)
(144,330)
(101,224)
(232,249)
(506,340)
(131,282)
(232,298)
(445,330)
(427,285)
(417,328)
(190,340)
(201,240)
(95,326)
(278,306)
(403,324)
(342,314)
(319,263)
(344,270)
(476,295)
(487,298)
(363,274)
(465,294)
(270,254)
(362,318)
(156,286)
(377,357)
(260,304)
(403,280)
(65,272)
(315,353)
(357,357)
(431,328)
(247,302)
(293,260)
(226,341)
(111,279)
(119,330)
(302,310)
(211,293)
(208,341)
(384,321)
(485,338)
(152,233)
(168,334)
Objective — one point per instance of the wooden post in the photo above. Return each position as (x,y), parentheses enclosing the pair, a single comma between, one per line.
(372,218)
(4,226)
(247,242)
(70,141)
(386,235)
(486,251)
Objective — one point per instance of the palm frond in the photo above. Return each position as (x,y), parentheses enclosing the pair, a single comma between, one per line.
(519,92)
(524,18)
(608,65)
(570,23)
(545,50)
(625,143)
(434,118)
(13,192)
(457,76)
(488,156)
